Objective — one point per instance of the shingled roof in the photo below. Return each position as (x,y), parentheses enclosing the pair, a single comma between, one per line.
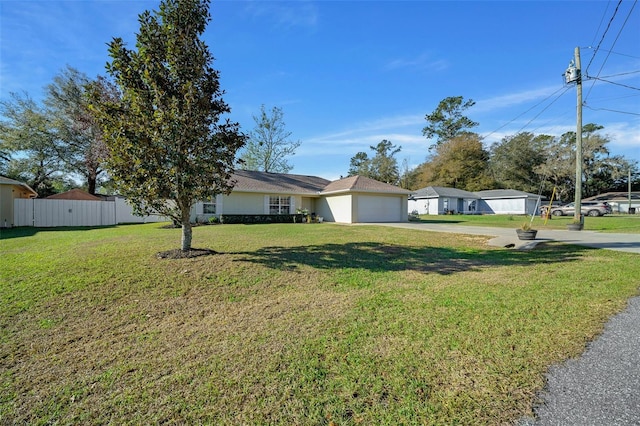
(441,191)
(74,194)
(362,184)
(254,181)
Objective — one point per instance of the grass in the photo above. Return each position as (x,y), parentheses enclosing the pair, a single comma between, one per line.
(291,324)
(629,224)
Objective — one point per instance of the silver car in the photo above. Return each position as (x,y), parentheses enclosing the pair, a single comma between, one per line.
(589,208)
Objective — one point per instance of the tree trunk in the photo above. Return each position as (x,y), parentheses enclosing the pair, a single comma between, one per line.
(91,183)
(186,235)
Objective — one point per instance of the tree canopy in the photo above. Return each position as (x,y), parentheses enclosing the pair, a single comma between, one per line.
(167,146)
(447,120)
(382,167)
(269,144)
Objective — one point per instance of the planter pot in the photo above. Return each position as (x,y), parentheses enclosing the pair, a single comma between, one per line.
(575,227)
(529,234)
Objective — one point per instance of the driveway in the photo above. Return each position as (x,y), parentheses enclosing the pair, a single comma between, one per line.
(506,237)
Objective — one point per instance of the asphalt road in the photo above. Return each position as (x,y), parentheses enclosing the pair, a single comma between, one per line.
(602,386)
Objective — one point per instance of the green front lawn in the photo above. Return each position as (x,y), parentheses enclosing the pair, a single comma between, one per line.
(291,324)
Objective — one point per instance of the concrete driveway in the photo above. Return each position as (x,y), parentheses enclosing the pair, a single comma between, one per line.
(506,237)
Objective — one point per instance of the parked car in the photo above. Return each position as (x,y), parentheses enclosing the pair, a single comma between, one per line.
(589,208)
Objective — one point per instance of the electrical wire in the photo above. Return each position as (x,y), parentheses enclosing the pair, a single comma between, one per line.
(603,35)
(614,43)
(611,110)
(536,105)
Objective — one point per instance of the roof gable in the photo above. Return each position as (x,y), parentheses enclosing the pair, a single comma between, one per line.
(362,184)
(7,181)
(74,194)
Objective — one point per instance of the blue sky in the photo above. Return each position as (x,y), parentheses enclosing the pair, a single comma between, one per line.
(348,74)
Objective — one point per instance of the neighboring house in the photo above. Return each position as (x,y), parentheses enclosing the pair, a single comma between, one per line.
(436,200)
(619,201)
(508,201)
(355,199)
(10,190)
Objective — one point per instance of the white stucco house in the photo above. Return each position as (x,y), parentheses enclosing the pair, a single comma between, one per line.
(435,200)
(355,199)
(508,201)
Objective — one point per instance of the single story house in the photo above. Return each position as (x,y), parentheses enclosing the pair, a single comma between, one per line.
(10,190)
(508,201)
(436,200)
(619,201)
(355,199)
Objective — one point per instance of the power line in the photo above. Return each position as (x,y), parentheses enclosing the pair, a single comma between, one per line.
(603,35)
(613,82)
(611,110)
(536,105)
(614,42)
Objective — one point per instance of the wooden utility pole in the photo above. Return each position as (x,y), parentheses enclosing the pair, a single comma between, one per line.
(578,201)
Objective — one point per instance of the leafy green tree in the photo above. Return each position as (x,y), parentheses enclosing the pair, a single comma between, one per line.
(360,165)
(269,144)
(29,145)
(447,120)
(383,166)
(167,148)
(461,162)
(514,161)
(601,171)
(80,143)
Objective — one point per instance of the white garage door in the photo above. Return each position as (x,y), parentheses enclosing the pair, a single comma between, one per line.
(379,208)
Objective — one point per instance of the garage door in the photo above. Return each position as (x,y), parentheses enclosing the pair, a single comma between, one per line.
(380,209)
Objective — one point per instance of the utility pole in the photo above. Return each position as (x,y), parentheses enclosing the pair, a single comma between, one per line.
(578,213)
(573,74)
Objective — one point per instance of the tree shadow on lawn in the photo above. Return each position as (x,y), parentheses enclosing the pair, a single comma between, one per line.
(378,257)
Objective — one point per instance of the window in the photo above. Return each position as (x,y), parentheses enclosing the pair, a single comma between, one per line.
(279,205)
(209,207)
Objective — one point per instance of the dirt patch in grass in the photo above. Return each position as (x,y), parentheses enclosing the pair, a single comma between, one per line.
(185,254)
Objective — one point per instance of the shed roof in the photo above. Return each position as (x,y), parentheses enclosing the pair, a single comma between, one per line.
(74,194)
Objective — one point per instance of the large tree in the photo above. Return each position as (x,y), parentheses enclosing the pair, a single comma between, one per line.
(601,171)
(80,143)
(383,166)
(461,162)
(167,146)
(448,120)
(28,144)
(515,159)
(269,144)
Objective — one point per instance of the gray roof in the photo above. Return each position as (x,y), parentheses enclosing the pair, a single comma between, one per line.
(254,181)
(440,191)
(614,196)
(504,193)
(362,184)
(280,183)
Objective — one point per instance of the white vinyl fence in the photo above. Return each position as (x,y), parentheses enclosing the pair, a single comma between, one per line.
(43,213)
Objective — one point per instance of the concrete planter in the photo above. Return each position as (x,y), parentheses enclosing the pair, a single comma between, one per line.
(528,234)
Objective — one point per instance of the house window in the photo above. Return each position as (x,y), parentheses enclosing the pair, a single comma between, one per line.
(209,207)
(279,205)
